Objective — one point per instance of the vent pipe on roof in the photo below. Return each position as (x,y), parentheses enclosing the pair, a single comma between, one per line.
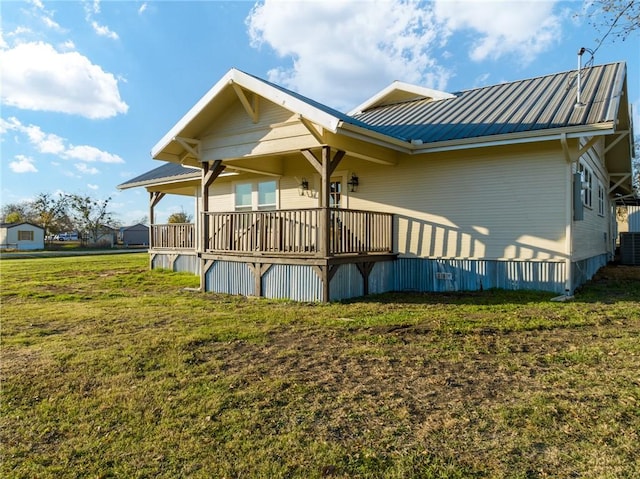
(579,91)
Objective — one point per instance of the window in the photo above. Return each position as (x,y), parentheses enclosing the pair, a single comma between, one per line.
(259,195)
(25,235)
(335,193)
(601,201)
(267,195)
(244,197)
(587,185)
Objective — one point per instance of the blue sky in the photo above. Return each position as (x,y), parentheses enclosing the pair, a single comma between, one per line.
(89,87)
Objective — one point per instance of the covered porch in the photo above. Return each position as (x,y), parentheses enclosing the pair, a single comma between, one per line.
(320,239)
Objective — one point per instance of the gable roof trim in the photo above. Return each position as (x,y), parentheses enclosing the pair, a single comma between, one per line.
(397,86)
(323,116)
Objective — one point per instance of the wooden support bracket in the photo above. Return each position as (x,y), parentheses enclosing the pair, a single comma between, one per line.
(251,109)
(623,134)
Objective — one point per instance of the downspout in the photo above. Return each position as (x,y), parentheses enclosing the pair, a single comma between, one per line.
(568,288)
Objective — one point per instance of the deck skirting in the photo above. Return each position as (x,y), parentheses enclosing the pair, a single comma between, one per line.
(356,276)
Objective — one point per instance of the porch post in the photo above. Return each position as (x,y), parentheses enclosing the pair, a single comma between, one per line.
(209,174)
(325,191)
(154,199)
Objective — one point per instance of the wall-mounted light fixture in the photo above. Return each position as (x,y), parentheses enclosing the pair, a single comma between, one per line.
(353,183)
(304,186)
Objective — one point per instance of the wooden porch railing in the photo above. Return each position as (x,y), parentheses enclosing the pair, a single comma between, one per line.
(173,236)
(298,232)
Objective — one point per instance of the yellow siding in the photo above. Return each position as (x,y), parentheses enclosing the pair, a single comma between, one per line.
(497,203)
(503,203)
(592,236)
(234,135)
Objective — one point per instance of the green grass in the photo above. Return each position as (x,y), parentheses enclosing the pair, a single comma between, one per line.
(112,370)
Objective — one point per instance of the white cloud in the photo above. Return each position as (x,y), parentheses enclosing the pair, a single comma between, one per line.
(45,142)
(142,8)
(92,9)
(524,28)
(92,187)
(23,164)
(51,23)
(68,45)
(342,52)
(50,143)
(37,77)
(83,168)
(91,154)
(46,16)
(103,30)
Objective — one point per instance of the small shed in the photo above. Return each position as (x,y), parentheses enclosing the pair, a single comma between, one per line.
(21,236)
(137,234)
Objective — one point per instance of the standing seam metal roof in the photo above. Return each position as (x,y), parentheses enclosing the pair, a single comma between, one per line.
(540,103)
(165,172)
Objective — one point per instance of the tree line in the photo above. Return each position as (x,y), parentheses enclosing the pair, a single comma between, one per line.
(57,213)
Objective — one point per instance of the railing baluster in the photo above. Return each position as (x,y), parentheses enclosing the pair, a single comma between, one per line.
(284,232)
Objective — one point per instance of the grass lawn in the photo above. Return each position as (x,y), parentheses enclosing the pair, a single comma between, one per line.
(112,370)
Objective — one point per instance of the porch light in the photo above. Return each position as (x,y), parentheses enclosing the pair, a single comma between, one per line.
(353,183)
(304,186)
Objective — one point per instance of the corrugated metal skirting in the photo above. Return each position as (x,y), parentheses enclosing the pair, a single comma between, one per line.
(585,269)
(161,261)
(230,277)
(382,277)
(184,263)
(187,263)
(417,274)
(295,282)
(346,283)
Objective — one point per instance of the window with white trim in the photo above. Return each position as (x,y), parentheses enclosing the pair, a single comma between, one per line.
(24,235)
(267,195)
(256,195)
(587,185)
(601,202)
(244,197)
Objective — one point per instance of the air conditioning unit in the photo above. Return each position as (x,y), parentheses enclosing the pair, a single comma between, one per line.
(630,248)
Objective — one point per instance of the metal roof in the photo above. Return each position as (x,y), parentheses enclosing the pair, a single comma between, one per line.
(162,174)
(536,104)
(503,112)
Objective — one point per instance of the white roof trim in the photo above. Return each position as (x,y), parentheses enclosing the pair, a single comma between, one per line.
(379,98)
(251,83)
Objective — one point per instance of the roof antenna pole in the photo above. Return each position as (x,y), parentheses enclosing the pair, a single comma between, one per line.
(580,53)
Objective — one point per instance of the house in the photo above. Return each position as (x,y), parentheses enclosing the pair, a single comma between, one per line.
(505,186)
(137,234)
(21,236)
(103,236)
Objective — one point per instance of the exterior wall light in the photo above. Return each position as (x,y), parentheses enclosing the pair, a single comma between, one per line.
(304,186)
(353,183)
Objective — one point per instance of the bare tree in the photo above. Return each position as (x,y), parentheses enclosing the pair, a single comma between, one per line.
(50,211)
(91,216)
(616,18)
